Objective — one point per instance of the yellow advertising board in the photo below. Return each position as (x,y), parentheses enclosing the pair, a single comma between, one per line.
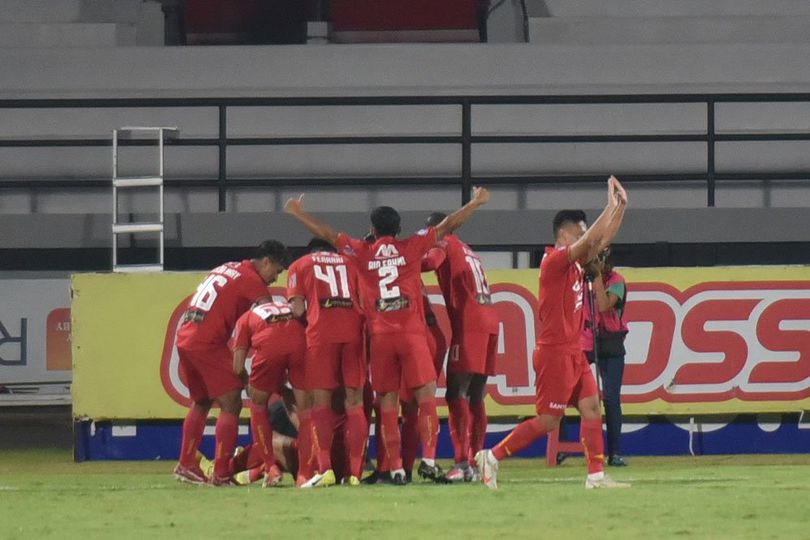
(702,340)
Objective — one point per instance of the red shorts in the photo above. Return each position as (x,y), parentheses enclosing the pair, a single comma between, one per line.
(400,358)
(208,370)
(272,368)
(473,352)
(331,365)
(437,344)
(438,347)
(564,378)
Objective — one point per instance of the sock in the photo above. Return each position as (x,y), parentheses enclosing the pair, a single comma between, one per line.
(193,427)
(256,473)
(305,453)
(379,446)
(390,439)
(459,422)
(428,427)
(249,459)
(227,431)
(340,453)
(410,436)
(522,436)
(590,433)
(478,428)
(356,435)
(323,431)
(262,434)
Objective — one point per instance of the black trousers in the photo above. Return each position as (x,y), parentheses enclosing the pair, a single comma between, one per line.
(611,371)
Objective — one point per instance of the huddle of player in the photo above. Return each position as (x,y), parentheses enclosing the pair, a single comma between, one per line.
(356,311)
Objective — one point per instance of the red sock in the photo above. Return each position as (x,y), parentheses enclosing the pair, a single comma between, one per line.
(522,436)
(323,430)
(390,439)
(262,434)
(355,437)
(410,435)
(478,428)
(226,433)
(250,458)
(305,453)
(193,427)
(459,422)
(428,427)
(590,433)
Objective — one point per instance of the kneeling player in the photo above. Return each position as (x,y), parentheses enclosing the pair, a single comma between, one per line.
(279,344)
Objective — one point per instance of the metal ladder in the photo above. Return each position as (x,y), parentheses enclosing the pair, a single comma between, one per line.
(127,182)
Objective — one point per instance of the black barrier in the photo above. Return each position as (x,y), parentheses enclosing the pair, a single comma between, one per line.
(465,178)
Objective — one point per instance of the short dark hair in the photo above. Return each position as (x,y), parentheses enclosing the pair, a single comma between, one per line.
(564,217)
(273,250)
(435,218)
(385,220)
(318,244)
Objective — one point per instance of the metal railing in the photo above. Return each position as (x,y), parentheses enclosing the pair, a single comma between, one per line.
(465,138)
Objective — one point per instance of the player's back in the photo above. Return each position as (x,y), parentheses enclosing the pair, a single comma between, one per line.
(465,289)
(560,300)
(390,280)
(226,293)
(329,283)
(266,327)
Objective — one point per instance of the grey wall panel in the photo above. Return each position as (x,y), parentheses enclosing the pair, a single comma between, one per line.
(404,69)
(655,195)
(96,162)
(489,227)
(588,158)
(349,120)
(99,122)
(363,160)
(595,119)
(762,117)
(762,156)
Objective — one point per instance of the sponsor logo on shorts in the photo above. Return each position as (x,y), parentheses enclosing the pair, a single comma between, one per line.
(392,304)
(555,405)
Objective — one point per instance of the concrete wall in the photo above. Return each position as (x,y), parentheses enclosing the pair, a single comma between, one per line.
(409,70)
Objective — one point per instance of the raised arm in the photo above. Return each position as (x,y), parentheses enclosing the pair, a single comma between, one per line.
(601,233)
(295,207)
(457,218)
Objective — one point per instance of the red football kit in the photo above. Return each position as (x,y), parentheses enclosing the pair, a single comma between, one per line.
(278,342)
(202,340)
(563,374)
(390,289)
(469,305)
(335,353)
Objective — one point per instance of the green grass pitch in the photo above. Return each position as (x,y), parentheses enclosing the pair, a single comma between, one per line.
(43,494)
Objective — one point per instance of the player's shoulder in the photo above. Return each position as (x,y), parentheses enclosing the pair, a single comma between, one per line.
(300,263)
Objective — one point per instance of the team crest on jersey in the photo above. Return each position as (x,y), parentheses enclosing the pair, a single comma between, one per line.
(386,251)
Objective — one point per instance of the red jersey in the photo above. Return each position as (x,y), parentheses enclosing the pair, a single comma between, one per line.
(261,327)
(465,289)
(227,292)
(390,280)
(329,284)
(560,298)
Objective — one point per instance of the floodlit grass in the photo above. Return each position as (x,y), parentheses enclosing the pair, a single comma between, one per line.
(43,494)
